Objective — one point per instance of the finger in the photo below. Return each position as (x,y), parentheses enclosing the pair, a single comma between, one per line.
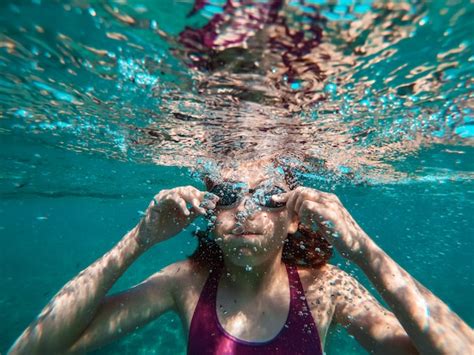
(153,203)
(200,195)
(299,201)
(309,214)
(188,194)
(161,194)
(306,207)
(195,197)
(326,198)
(316,213)
(208,204)
(206,197)
(290,203)
(196,205)
(210,196)
(182,204)
(158,198)
(208,200)
(281,197)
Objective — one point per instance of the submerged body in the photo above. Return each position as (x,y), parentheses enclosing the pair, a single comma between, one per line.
(248,286)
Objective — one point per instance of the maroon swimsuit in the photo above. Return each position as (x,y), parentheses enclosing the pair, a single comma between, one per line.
(299,334)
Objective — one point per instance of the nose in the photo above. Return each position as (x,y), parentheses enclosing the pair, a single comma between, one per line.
(246,209)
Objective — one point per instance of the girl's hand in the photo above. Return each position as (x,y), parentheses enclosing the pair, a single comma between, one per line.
(168,213)
(321,210)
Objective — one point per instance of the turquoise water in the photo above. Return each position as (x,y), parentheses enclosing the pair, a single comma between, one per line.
(102,106)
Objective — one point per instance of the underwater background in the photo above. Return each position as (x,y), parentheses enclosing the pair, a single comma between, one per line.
(105,103)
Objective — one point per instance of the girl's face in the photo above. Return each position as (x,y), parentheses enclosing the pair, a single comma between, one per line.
(250,228)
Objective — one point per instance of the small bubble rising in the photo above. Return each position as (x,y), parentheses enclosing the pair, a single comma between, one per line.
(424,21)
(248,268)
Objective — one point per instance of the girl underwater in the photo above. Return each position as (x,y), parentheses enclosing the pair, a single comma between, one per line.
(259,283)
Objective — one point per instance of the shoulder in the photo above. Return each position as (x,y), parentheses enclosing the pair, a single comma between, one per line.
(345,291)
(337,288)
(330,279)
(184,271)
(182,277)
(326,273)
(186,281)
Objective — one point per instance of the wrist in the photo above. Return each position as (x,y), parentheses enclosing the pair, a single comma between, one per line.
(137,238)
(146,236)
(355,246)
(363,254)
(124,253)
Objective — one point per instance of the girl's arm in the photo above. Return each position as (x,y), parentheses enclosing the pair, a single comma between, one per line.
(66,316)
(81,317)
(429,322)
(432,327)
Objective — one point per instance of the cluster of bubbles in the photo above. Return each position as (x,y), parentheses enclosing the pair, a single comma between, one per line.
(344,88)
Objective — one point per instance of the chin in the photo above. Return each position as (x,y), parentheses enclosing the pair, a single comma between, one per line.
(248,249)
(246,258)
(247,252)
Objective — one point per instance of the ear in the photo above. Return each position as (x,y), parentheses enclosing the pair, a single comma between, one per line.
(293,223)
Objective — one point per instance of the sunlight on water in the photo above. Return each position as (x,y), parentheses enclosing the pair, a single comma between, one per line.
(353,90)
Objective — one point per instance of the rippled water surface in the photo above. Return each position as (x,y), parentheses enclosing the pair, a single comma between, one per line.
(353,89)
(111,100)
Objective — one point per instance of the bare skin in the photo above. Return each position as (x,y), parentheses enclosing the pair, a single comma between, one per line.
(250,305)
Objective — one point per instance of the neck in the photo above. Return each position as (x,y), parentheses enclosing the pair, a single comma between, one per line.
(259,277)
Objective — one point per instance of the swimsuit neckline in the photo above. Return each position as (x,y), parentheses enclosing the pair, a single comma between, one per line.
(254,343)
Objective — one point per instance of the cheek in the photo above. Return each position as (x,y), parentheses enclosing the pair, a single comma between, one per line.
(281,224)
(224,221)
(277,223)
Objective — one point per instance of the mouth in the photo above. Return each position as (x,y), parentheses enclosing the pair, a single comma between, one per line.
(244,240)
(243,235)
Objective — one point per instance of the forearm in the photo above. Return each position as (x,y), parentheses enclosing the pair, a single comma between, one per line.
(429,322)
(65,317)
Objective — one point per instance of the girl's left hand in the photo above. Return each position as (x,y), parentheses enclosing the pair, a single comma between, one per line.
(321,210)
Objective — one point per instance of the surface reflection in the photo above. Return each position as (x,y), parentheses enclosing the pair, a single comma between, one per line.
(345,89)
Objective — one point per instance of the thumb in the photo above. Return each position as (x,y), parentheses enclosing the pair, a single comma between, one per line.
(281,197)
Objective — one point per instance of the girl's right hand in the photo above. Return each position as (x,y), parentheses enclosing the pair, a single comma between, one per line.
(168,213)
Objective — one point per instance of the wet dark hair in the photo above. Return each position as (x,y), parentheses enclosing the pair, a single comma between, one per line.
(304,248)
